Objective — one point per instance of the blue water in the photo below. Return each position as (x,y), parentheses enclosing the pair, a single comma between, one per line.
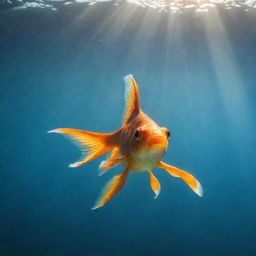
(197,76)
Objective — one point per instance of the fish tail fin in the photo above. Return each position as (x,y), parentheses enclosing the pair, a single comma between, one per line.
(111,189)
(92,144)
(191,181)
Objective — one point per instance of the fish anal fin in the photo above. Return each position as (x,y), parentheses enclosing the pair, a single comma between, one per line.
(111,188)
(154,183)
(132,99)
(189,179)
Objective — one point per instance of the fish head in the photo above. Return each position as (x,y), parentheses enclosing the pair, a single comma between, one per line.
(150,140)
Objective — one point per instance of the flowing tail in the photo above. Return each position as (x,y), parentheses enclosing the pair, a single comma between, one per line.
(92,144)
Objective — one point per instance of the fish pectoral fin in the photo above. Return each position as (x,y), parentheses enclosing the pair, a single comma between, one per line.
(108,164)
(191,181)
(132,99)
(111,188)
(105,164)
(154,183)
(114,153)
(92,144)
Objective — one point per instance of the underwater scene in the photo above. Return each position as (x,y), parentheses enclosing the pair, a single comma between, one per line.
(160,99)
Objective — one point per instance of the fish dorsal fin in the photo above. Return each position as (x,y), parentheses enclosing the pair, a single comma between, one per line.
(132,99)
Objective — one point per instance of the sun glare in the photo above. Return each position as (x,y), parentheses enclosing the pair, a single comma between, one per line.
(173,6)
(199,5)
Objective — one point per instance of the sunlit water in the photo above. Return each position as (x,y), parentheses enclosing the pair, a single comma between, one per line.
(65,68)
(173,6)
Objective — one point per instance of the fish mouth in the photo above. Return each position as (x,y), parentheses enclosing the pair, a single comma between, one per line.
(157,141)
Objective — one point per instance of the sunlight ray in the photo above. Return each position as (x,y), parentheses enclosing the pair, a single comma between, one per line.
(115,24)
(229,80)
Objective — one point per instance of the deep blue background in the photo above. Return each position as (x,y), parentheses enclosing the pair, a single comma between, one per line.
(197,77)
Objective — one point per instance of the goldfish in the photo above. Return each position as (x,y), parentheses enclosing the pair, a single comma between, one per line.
(139,145)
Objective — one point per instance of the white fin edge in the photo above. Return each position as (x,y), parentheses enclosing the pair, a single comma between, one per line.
(54,131)
(199,190)
(157,192)
(128,78)
(101,168)
(74,165)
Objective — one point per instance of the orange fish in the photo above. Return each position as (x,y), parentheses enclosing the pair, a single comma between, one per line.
(139,145)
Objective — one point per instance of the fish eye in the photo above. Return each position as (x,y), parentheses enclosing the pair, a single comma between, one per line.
(168,133)
(137,135)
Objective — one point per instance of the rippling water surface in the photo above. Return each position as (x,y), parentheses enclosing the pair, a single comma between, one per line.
(173,6)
